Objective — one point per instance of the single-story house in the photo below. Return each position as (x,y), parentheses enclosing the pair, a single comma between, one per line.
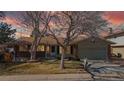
(83,47)
(118,48)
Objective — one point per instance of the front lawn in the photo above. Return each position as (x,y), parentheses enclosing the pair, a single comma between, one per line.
(45,67)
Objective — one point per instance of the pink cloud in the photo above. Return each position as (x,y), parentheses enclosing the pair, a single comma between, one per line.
(12,21)
(115,17)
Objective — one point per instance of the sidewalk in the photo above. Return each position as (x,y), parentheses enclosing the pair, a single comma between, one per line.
(49,77)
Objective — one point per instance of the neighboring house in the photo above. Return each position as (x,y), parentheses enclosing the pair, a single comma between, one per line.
(118,48)
(80,48)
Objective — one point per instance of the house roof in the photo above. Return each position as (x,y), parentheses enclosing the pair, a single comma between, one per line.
(90,38)
(18,42)
(49,40)
(117,46)
(114,35)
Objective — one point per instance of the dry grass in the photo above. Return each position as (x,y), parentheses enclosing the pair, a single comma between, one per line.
(46,67)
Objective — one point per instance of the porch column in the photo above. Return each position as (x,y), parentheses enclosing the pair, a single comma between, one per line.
(109,52)
(45,49)
(55,50)
(48,50)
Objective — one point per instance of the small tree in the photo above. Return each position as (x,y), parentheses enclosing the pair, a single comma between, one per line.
(69,24)
(38,22)
(7,33)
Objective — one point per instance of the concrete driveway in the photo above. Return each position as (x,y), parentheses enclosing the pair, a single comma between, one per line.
(49,77)
(106,71)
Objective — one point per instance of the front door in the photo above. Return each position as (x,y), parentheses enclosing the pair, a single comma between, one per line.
(53,51)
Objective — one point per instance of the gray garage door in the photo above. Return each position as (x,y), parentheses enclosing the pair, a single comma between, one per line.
(93,53)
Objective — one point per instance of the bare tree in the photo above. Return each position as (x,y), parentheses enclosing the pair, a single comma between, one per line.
(38,22)
(69,24)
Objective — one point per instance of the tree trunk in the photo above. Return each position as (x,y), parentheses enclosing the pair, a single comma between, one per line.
(33,54)
(62,61)
(33,49)
(62,58)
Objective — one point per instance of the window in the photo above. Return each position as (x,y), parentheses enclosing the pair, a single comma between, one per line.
(41,48)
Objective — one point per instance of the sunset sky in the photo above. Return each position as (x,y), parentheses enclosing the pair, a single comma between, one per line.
(114,17)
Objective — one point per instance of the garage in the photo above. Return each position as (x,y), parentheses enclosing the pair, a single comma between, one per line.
(97,50)
(93,53)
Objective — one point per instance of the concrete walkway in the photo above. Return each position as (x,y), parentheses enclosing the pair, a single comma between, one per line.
(51,77)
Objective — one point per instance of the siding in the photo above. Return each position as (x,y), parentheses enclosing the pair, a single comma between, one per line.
(118,50)
(23,48)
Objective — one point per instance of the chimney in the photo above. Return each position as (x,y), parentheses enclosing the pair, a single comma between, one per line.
(110,30)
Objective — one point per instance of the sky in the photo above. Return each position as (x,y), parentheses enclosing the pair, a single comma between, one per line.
(115,18)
